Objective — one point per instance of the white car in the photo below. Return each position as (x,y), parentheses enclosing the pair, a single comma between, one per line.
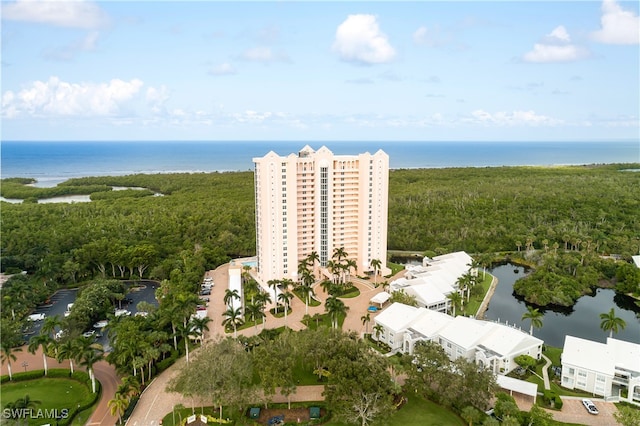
(590,406)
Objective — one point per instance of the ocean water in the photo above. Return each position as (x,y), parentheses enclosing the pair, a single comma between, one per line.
(54,162)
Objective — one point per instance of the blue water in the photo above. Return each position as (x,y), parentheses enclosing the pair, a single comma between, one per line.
(53,162)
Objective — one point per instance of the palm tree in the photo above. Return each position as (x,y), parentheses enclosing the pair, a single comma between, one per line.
(129,387)
(306,290)
(611,323)
(376,264)
(234,318)
(200,326)
(377,330)
(254,310)
(118,405)
(229,295)
(329,287)
(274,284)
(285,297)
(334,268)
(365,321)
(456,301)
(40,340)
(312,258)
(535,316)
(339,253)
(262,299)
(186,331)
(8,353)
(348,266)
(88,352)
(67,350)
(335,307)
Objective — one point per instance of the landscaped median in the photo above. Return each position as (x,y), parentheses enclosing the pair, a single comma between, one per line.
(59,396)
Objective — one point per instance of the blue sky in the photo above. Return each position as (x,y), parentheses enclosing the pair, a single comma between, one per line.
(428,70)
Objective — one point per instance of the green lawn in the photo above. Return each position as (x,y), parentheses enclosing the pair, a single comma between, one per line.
(54,393)
(471,307)
(416,412)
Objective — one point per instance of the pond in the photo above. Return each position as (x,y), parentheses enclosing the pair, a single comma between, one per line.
(581,320)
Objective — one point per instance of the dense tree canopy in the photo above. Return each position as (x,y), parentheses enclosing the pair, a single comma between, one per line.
(199,221)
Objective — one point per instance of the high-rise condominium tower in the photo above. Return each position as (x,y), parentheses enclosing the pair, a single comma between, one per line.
(318,202)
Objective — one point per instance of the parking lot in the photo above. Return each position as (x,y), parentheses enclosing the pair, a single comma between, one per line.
(140,291)
(574,412)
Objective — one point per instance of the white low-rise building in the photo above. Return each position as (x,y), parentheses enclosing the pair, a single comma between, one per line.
(489,344)
(431,282)
(609,369)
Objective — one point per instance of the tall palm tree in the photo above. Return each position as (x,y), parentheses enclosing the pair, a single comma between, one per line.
(365,321)
(262,299)
(7,353)
(186,331)
(285,297)
(377,330)
(350,264)
(89,352)
(67,350)
(234,318)
(334,268)
(535,318)
(339,253)
(118,405)
(456,301)
(254,311)
(41,340)
(335,307)
(611,323)
(129,387)
(376,264)
(200,326)
(274,285)
(306,290)
(229,296)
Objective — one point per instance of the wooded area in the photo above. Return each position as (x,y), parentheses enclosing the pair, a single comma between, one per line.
(202,220)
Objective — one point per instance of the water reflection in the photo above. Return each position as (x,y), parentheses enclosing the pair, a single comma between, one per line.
(581,320)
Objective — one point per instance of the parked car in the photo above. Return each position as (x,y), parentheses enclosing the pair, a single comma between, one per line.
(205,292)
(590,406)
(204,298)
(89,333)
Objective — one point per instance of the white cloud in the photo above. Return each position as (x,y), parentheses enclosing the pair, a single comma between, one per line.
(264,55)
(618,26)
(59,98)
(513,118)
(223,69)
(559,33)
(71,14)
(359,39)
(556,47)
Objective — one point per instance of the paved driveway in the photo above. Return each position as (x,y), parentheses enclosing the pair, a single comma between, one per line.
(574,412)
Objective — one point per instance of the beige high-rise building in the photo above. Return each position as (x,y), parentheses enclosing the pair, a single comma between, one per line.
(315,201)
